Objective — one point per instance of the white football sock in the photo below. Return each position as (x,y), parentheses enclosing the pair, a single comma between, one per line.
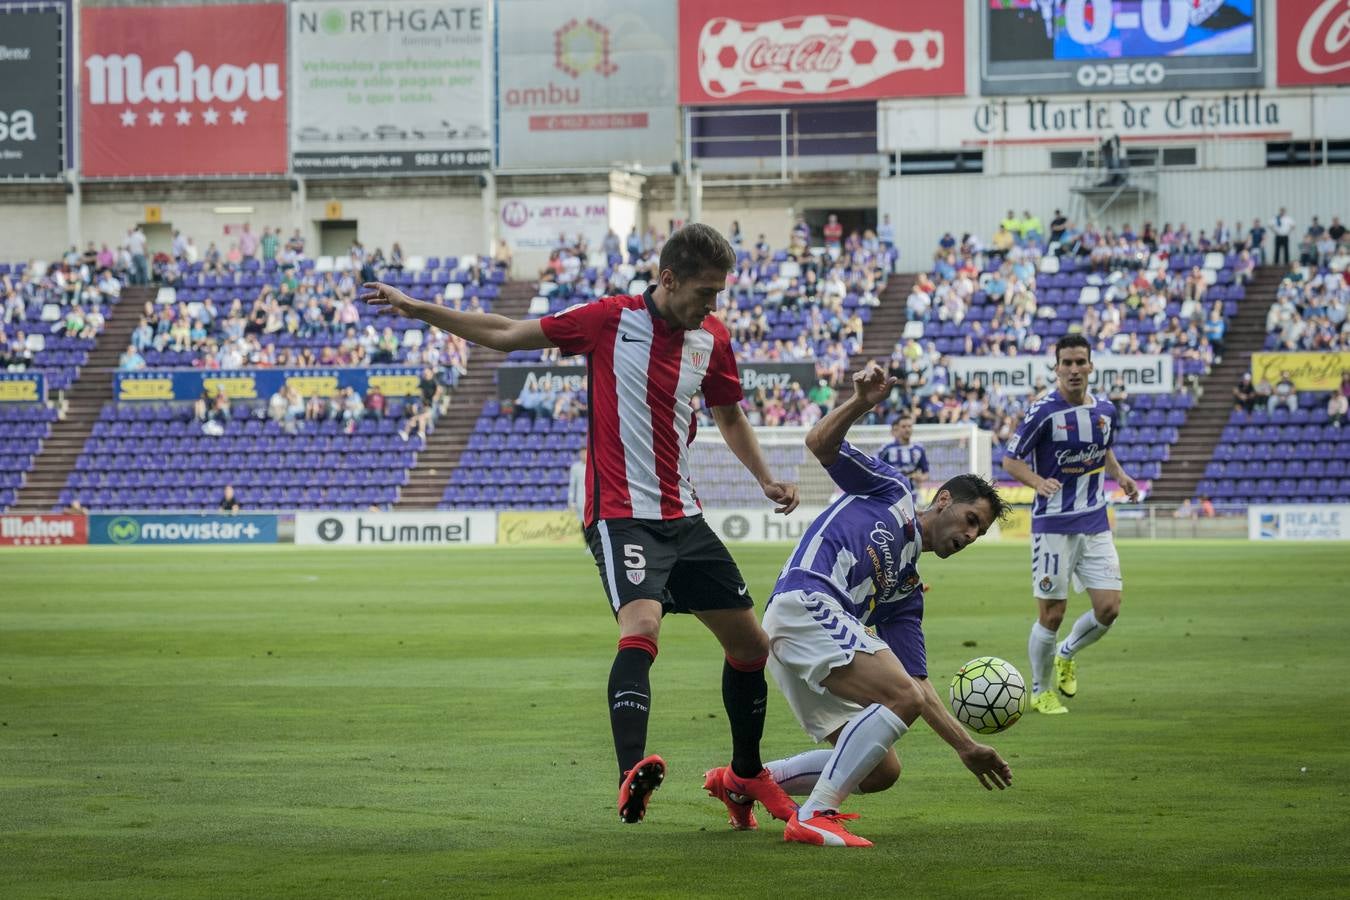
(1041,649)
(862,744)
(797,775)
(1087,630)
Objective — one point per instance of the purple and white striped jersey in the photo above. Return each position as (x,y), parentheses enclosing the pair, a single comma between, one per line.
(1068,443)
(864,548)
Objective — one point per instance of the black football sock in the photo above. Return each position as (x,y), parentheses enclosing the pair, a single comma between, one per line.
(745,694)
(630,696)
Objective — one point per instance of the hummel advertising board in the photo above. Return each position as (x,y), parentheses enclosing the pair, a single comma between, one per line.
(1142,374)
(395,529)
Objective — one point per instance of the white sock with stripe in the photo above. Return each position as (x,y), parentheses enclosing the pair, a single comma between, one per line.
(1041,649)
(862,744)
(797,775)
(1087,630)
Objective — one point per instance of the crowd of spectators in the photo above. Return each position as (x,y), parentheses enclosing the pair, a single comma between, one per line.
(1313,299)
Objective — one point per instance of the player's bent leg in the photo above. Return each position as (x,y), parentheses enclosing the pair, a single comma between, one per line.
(883,776)
(1090,627)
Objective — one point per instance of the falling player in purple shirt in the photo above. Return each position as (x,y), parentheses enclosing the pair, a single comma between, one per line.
(1063,450)
(845,627)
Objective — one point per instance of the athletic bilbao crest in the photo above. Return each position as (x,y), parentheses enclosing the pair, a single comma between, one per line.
(697,358)
(637,576)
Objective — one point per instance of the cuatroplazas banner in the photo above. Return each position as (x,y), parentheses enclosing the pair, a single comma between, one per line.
(259,384)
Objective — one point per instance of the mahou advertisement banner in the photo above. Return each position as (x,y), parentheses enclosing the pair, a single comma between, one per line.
(183,90)
(1312,42)
(804,50)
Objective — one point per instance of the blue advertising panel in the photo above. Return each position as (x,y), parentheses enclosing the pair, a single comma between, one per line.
(259,384)
(1083,46)
(150,528)
(22,387)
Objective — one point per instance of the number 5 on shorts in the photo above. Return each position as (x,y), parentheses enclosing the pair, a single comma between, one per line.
(633,557)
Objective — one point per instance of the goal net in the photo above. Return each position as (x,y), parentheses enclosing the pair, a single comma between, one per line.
(722,482)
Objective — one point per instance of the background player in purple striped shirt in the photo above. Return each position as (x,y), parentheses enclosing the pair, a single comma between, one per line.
(1063,450)
(845,626)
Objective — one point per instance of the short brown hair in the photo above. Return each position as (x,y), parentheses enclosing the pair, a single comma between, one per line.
(697,248)
(1069,341)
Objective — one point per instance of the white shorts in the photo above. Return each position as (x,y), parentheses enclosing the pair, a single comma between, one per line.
(810,635)
(1090,560)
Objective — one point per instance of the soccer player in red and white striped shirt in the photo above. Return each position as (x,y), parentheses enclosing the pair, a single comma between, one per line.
(647,355)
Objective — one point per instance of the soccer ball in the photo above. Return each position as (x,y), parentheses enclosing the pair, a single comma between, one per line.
(988,695)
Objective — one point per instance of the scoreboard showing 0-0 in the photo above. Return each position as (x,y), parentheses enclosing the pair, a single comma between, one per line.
(1080,46)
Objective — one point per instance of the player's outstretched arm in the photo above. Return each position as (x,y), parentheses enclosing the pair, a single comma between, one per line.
(1117,471)
(488,329)
(826,436)
(740,437)
(983,761)
(1021,470)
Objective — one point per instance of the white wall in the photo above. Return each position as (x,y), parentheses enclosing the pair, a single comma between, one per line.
(923,207)
(32,231)
(423,226)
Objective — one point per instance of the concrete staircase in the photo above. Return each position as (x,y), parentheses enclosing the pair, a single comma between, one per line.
(427,481)
(888,322)
(84,401)
(1206,420)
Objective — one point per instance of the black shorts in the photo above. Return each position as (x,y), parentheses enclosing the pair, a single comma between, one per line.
(680,562)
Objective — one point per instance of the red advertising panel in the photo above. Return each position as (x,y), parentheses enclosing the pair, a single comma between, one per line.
(1312,41)
(804,50)
(34,531)
(183,90)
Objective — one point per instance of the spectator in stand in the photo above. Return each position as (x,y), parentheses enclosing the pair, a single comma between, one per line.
(1120,396)
(270,243)
(801,234)
(1003,238)
(735,236)
(229,503)
(1284,394)
(431,391)
(822,395)
(1282,225)
(131,360)
(1206,507)
(834,233)
(886,232)
(416,417)
(1058,226)
(1185,510)
(135,244)
(375,403)
(248,243)
(1338,406)
(612,246)
(1030,228)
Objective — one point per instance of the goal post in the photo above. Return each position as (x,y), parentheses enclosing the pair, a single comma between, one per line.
(722,482)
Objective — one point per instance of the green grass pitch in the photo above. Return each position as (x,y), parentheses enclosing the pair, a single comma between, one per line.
(286,723)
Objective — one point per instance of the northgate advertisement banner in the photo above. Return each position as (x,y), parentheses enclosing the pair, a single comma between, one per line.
(183,90)
(1081,46)
(390,87)
(586,83)
(1313,42)
(32,90)
(803,50)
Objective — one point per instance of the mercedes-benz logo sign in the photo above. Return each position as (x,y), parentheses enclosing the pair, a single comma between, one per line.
(736,527)
(330,530)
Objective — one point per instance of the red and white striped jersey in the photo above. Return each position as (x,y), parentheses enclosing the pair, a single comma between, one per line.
(643,374)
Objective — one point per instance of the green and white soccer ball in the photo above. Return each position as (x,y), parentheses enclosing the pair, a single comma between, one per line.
(988,695)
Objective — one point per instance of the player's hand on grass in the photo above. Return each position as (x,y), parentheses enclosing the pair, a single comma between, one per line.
(1048,487)
(383,295)
(871,385)
(1131,489)
(988,766)
(783,493)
